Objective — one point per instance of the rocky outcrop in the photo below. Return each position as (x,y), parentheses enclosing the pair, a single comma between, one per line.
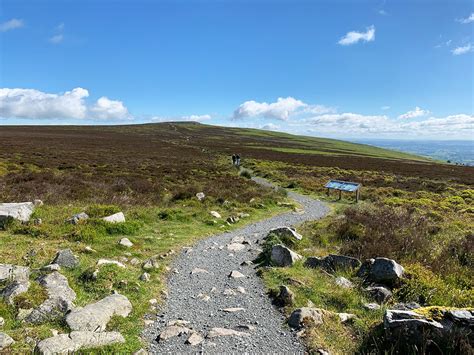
(21,211)
(95,316)
(65,258)
(333,263)
(286,233)
(59,302)
(70,343)
(282,256)
(381,271)
(430,325)
(118,217)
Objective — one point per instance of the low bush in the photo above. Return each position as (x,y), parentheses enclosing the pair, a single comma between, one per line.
(99,211)
(246,174)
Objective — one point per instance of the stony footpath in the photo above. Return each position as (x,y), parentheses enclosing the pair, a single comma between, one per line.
(216,302)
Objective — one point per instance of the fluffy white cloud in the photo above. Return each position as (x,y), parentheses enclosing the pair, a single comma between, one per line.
(353,37)
(462,50)
(468,19)
(270,127)
(11,25)
(417,112)
(351,122)
(105,109)
(281,109)
(35,104)
(460,124)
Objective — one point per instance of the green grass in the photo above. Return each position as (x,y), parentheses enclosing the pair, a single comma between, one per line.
(154,231)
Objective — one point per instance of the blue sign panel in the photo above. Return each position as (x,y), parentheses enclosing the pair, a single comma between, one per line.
(342,185)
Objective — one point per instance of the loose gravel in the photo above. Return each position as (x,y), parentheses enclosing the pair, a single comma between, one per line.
(203,299)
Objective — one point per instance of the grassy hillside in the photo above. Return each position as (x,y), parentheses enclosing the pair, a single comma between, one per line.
(152,173)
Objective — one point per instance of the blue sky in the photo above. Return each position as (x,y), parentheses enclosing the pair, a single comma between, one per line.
(345,69)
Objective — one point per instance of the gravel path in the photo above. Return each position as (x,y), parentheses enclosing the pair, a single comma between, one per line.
(201,297)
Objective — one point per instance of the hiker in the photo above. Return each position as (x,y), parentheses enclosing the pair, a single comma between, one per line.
(237,160)
(233,159)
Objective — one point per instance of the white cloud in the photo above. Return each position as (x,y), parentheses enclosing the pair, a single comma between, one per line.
(196,118)
(385,108)
(281,109)
(355,37)
(463,50)
(35,104)
(467,20)
(105,109)
(417,112)
(453,125)
(350,122)
(11,25)
(56,39)
(383,12)
(270,127)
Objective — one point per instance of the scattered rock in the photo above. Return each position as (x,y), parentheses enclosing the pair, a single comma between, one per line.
(236,274)
(37,221)
(14,289)
(232,219)
(345,317)
(229,292)
(215,214)
(88,249)
(200,196)
(51,267)
(222,332)
(141,352)
(10,272)
(246,263)
(379,294)
(235,247)
(243,215)
(246,327)
(126,242)
(287,233)
(333,262)
(110,262)
(95,316)
(151,264)
(406,306)
(5,341)
(172,331)
(21,211)
(179,322)
(197,270)
(77,218)
(60,299)
(343,282)
(371,306)
(381,271)
(23,313)
(195,339)
(240,289)
(145,277)
(65,258)
(2,322)
(38,203)
(285,297)
(301,316)
(233,309)
(70,343)
(118,217)
(282,256)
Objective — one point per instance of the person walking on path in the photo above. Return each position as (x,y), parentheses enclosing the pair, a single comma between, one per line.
(233,159)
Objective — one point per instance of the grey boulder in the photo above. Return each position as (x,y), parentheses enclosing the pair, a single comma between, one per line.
(301,316)
(118,217)
(77,218)
(381,271)
(21,211)
(379,293)
(15,279)
(70,343)
(282,256)
(95,316)
(5,341)
(333,262)
(286,233)
(65,258)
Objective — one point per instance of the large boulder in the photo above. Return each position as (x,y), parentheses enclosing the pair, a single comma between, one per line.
(65,258)
(70,343)
(286,233)
(60,299)
(95,316)
(282,256)
(21,211)
(381,271)
(332,263)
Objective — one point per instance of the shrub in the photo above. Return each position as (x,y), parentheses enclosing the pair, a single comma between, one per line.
(99,211)
(246,174)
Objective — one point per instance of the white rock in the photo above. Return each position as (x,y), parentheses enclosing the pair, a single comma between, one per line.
(5,341)
(173,331)
(195,339)
(145,277)
(110,262)
(95,316)
(70,343)
(235,247)
(197,270)
(126,242)
(282,256)
(219,332)
(236,274)
(2,322)
(21,211)
(118,217)
(241,289)
(200,196)
(215,214)
(233,309)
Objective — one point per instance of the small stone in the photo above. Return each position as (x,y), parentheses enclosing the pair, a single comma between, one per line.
(110,262)
(134,261)
(88,249)
(2,322)
(218,332)
(145,277)
(246,327)
(126,242)
(235,247)
(153,301)
(23,313)
(379,294)
(246,263)
(301,315)
(286,232)
(65,258)
(236,275)
(233,309)
(197,270)
(172,331)
(215,214)
(229,292)
(38,203)
(118,217)
(343,282)
(200,196)
(5,341)
(241,289)
(51,267)
(178,322)
(141,352)
(371,306)
(345,317)
(195,339)
(77,340)
(77,218)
